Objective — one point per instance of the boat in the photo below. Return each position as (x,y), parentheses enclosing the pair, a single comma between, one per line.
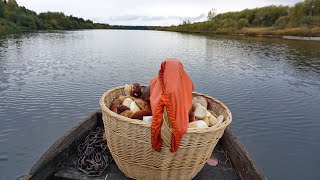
(58,161)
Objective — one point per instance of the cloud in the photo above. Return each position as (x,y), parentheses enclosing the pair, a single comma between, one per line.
(134,17)
(284,2)
(145,12)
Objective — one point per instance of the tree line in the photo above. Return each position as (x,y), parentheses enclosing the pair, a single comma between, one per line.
(305,15)
(15,18)
(301,19)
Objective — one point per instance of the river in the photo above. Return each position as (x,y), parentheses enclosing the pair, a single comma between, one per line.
(49,81)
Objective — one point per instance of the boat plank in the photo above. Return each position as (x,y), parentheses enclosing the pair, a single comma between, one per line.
(58,161)
(68,171)
(63,148)
(222,171)
(240,157)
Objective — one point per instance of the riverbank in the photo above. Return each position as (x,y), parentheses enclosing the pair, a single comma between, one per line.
(301,19)
(301,33)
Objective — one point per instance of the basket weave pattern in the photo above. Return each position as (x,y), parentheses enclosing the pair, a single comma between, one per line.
(129,142)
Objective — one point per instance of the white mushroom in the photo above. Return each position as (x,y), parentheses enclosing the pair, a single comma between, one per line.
(212,120)
(127,102)
(206,120)
(147,119)
(127,89)
(208,114)
(200,112)
(202,101)
(194,100)
(198,124)
(134,107)
(195,105)
(220,120)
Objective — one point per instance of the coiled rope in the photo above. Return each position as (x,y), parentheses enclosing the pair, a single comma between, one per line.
(94,155)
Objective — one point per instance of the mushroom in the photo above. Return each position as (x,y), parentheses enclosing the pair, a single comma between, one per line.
(128,89)
(198,124)
(195,105)
(136,90)
(114,108)
(127,102)
(126,113)
(134,107)
(122,108)
(140,114)
(200,112)
(220,120)
(147,119)
(202,101)
(145,93)
(191,116)
(141,103)
(212,120)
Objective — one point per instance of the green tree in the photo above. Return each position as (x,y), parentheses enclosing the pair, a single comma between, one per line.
(312,7)
(282,22)
(243,22)
(12,2)
(297,13)
(1,8)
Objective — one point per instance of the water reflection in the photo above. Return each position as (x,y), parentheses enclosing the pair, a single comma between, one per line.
(301,54)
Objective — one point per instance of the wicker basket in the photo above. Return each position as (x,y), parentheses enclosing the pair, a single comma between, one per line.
(129,142)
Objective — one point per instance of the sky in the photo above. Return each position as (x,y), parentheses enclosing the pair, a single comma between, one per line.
(145,12)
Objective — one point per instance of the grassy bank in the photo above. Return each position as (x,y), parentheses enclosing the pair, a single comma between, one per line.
(299,31)
(302,19)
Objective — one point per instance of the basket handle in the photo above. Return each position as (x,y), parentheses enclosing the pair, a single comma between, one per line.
(166,129)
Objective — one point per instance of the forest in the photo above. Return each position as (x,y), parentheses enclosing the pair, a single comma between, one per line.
(301,19)
(15,18)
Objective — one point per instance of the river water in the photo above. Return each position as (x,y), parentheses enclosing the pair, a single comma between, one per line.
(51,81)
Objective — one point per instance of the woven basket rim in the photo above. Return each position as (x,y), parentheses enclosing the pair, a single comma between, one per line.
(148,125)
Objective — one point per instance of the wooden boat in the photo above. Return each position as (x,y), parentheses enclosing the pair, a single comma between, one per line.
(58,162)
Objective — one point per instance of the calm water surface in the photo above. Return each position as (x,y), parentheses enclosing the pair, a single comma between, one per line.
(51,81)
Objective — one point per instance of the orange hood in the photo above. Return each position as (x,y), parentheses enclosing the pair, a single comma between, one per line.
(172,88)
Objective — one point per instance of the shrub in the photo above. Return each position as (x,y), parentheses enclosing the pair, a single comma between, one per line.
(243,22)
(282,22)
(311,21)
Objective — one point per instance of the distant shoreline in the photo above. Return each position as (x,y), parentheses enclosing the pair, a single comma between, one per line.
(288,37)
(290,34)
(304,38)
(300,21)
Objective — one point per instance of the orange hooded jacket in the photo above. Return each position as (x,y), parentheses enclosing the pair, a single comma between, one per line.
(171,89)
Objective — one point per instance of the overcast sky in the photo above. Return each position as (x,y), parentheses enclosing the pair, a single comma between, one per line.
(145,12)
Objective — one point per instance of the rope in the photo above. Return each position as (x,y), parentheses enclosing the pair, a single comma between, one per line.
(94,156)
